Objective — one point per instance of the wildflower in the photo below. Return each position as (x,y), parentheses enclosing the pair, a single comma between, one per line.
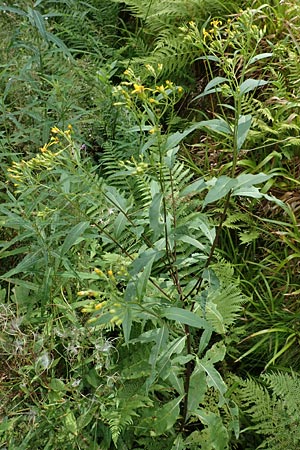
(110,273)
(180,89)
(205,33)
(100,305)
(160,88)
(159,66)
(215,23)
(44,148)
(98,272)
(138,89)
(55,130)
(152,131)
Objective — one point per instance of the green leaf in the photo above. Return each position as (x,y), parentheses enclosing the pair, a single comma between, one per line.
(127,323)
(18,11)
(70,423)
(170,159)
(38,21)
(27,263)
(194,188)
(211,87)
(216,435)
(218,125)
(220,189)
(185,317)
(259,57)
(190,240)
(60,44)
(57,385)
(197,389)
(143,278)
(250,85)
(244,124)
(154,215)
(166,417)
(72,236)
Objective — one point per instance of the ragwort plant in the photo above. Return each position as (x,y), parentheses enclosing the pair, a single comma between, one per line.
(142,246)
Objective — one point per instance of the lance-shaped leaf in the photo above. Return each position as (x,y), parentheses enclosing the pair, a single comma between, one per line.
(185,317)
(250,85)
(243,128)
(219,190)
(72,236)
(166,417)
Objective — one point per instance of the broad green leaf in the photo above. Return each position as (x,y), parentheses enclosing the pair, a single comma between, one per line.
(115,198)
(211,87)
(161,340)
(164,363)
(171,157)
(214,317)
(143,278)
(70,423)
(210,233)
(155,214)
(250,85)
(216,353)
(178,444)
(142,260)
(185,317)
(215,82)
(119,225)
(222,186)
(197,389)
(194,188)
(57,385)
(166,417)
(190,240)
(72,236)
(216,434)
(259,57)
(249,179)
(249,191)
(244,124)
(218,125)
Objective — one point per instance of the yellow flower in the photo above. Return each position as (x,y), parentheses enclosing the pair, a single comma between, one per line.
(55,130)
(44,148)
(110,273)
(98,272)
(70,127)
(138,89)
(152,131)
(205,33)
(215,23)
(180,89)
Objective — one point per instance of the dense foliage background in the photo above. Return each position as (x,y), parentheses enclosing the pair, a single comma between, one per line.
(149,225)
